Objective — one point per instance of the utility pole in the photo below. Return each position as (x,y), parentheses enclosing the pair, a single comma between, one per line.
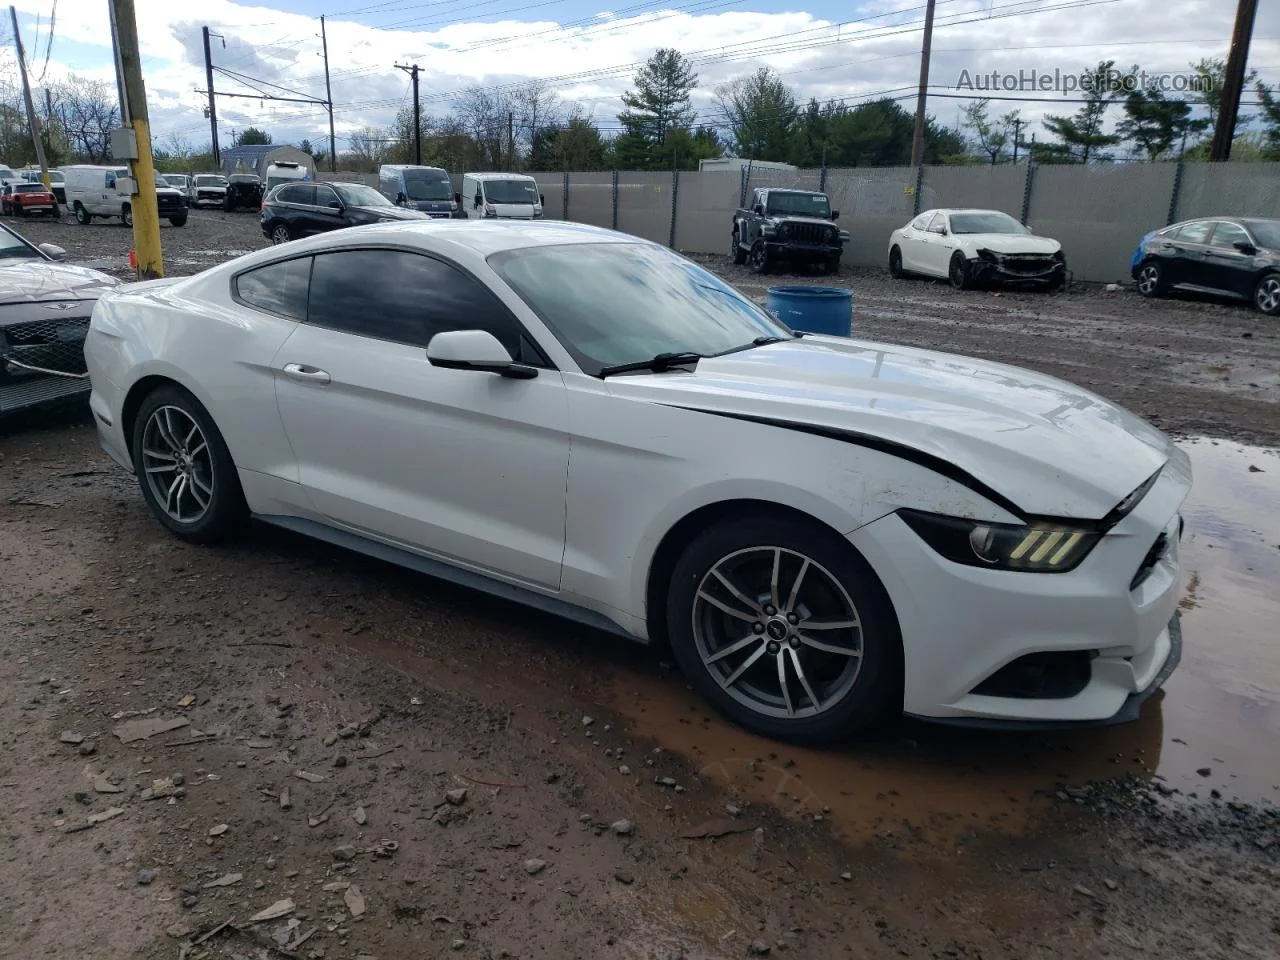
(417,113)
(1233,81)
(328,96)
(1017,135)
(133,114)
(511,140)
(213,110)
(917,138)
(26,96)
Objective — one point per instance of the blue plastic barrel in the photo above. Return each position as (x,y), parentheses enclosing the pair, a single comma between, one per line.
(826,310)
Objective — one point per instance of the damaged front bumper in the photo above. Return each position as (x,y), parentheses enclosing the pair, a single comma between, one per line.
(1011,268)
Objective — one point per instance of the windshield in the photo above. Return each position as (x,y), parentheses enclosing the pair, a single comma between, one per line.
(28,188)
(510,191)
(244,178)
(14,248)
(425,186)
(211,181)
(6,173)
(358,195)
(804,204)
(986,221)
(1266,232)
(612,303)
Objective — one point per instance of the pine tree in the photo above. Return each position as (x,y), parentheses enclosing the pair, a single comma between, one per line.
(659,104)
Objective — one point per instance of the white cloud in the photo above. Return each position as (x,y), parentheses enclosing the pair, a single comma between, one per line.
(592,62)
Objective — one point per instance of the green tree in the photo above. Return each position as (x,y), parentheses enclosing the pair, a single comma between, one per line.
(1080,136)
(993,136)
(1209,77)
(1270,121)
(761,114)
(659,104)
(317,156)
(251,136)
(1155,122)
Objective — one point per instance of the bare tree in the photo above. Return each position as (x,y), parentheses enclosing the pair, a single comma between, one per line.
(89,114)
(504,122)
(370,147)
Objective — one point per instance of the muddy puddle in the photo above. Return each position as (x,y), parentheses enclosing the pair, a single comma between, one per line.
(1219,712)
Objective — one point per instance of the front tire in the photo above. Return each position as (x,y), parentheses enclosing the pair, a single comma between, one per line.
(761,262)
(184,468)
(1150,279)
(831,266)
(958,271)
(785,628)
(735,249)
(126,215)
(179,221)
(1266,295)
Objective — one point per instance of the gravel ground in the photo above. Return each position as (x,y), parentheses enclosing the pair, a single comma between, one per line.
(326,709)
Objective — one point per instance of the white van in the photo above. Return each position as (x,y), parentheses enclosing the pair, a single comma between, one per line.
(283,172)
(512,196)
(425,189)
(94,191)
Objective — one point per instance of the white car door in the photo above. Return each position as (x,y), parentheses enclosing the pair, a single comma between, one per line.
(913,243)
(465,466)
(937,247)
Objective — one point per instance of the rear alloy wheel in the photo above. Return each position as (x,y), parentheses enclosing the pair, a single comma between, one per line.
(1266,296)
(760,259)
(183,466)
(82,215)
(280,233)
(1150,279)
(958,272)
(735,250)
(895,264)
(785,628)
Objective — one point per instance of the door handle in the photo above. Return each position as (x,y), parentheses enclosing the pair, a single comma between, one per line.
(305,373)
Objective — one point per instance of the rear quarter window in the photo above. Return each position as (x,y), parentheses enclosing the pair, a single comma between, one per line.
(279,288)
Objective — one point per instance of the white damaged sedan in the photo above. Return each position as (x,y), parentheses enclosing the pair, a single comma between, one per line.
(822,529)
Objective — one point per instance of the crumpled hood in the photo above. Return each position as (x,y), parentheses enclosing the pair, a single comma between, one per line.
(1010,242)
(392,213)
(1051,448)
(33,281)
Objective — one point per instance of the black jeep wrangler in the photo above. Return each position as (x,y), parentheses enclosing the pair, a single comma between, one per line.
(793,225)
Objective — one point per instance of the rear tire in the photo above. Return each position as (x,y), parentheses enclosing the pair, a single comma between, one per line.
(895,264)
(184,468)
(82,215)
(281,233)
(851,674)
(739,255)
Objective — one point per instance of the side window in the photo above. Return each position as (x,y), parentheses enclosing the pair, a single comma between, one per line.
(324,196)
(403,297)
(1229,234)
(921,222)
(111,180)
(279,288)
(1197,232)
(295,193)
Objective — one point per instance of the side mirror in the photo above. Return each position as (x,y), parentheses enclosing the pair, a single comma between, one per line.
(835,215)
(475,350)
(335,205)
(401,198)
(1244,246)
(53,251)
(457,198)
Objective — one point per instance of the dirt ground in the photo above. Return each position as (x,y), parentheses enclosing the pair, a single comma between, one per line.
(417,770)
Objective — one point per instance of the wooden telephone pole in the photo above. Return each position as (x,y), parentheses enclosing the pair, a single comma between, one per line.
(134,141)
(26,96)
(1233,81)
(917,136)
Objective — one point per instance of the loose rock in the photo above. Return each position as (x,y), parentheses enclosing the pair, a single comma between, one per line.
(146,876)
(534,866)
(625,877)
(456,797)
(623,828)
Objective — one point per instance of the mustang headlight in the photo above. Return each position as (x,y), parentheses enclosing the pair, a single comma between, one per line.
(1033,548)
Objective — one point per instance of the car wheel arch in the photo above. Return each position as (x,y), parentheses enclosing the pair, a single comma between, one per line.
(145,385)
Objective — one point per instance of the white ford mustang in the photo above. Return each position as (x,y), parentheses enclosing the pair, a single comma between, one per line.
(823,529)
(970,247)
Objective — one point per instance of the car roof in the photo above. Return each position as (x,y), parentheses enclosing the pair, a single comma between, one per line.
(499,176)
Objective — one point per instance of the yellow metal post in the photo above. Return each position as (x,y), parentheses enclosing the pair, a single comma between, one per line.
(133,112)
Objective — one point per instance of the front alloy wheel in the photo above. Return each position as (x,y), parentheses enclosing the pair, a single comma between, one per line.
(785,628)
(1149,280)
(1266,297)
(760,261)
(958,272)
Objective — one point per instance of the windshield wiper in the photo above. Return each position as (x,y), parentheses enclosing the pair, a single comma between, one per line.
(767,339)
(659,364)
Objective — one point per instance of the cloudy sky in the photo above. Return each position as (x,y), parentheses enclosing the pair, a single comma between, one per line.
(587,51)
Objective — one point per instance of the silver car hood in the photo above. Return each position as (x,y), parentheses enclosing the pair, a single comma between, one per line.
(1047,446)
(34,280)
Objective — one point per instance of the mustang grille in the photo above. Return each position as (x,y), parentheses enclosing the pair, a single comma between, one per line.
(52,345)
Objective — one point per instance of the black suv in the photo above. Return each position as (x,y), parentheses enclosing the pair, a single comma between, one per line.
(294,210)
